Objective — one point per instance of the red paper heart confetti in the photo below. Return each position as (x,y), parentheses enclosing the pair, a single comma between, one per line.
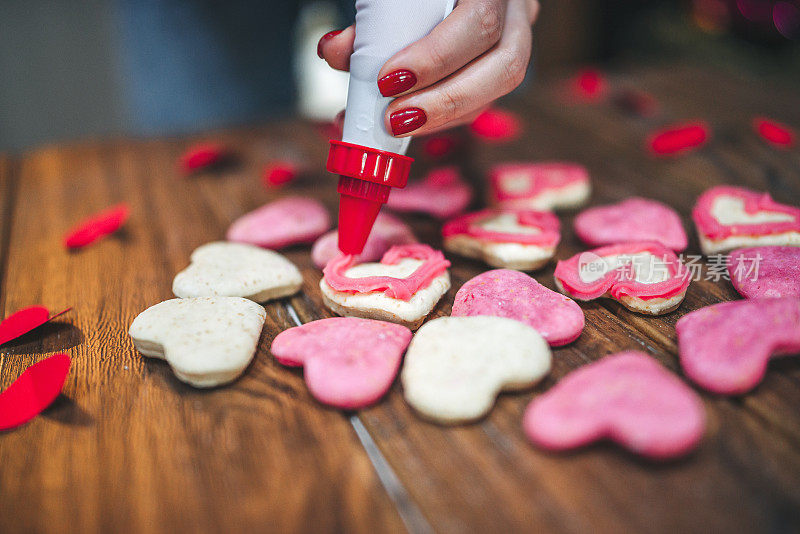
(279,173)
(438,146)
(97,226)
(25,320)
(202,156)
(679,138)
(35,389)
(590,85)
(496,125)
(774,132)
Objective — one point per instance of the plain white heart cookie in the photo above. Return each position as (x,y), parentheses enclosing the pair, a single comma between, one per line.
(237,270)
(456,366)
(207,341)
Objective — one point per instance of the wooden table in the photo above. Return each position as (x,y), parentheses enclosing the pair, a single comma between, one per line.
(129,448)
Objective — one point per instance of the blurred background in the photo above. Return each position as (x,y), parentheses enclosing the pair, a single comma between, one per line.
(97,68)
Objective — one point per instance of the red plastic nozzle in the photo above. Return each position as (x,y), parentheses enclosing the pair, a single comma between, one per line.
(366,178)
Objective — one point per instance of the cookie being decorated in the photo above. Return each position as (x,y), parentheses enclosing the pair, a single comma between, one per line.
(539,186)
(633,219)
(456,366)
(644,277)
(515,295)
(514,239)
(627,398)
(734,217)
(403,288)
(279,224)
(237,270)
(387,232)
(765,272)
(207,341)
(348,362)
(725,348)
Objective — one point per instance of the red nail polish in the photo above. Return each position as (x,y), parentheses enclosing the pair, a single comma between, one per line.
(324,38)
(407,120)
(397,82)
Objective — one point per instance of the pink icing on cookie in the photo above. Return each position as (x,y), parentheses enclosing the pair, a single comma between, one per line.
(442,194)
(634,219)
(515,295)
(433,265)
(470,224)
(765,272)
(754,202)
(349,362)
(725,348)
(627,398)
(288,221)
(620,281)
(519,181)
(387,232)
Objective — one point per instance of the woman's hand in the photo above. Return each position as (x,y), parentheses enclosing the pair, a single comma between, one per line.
(477,54)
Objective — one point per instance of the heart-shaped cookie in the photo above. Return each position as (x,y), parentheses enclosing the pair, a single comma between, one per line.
(456,366)
(627,398)
(515,295)
(387,232)
(289,221)
(349,362)
(442,194)
(403,288)
(633,219)
(539,186)
(765,272)
(207,341)
(237,270)
(733,217)
(514,239)
(725,348)
(644,277)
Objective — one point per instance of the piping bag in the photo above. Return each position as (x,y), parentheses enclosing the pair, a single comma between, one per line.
(368,159)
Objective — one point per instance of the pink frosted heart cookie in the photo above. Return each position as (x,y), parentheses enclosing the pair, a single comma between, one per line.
(765,272)
(386,232)
(644,277)
(733,217)
(442,194)
(288,221)
(403,288)
(627,398)
(634,219)
(349,362)
(515,239)
(515,295)
(725,348)
(539,186)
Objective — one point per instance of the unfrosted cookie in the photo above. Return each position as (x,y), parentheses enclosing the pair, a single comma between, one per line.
(237,270)
(725,348)
(387,232)
(765,272)
(403,288)
(515,239)
(442,194)
(288,221)
(733,217)
(456,366)
(645,277)
(633,219)
(627,398)
(207,341)
(515,295)
(539,186)
(349,362)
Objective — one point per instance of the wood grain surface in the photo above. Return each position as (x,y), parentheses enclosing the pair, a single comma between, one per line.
(128,448)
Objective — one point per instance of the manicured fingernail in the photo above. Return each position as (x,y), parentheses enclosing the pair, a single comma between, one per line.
(397,82)
(324,38)
(407,120)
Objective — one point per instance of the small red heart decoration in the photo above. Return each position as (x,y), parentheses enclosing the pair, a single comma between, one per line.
(25,320)
(35,389)
(97,226)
